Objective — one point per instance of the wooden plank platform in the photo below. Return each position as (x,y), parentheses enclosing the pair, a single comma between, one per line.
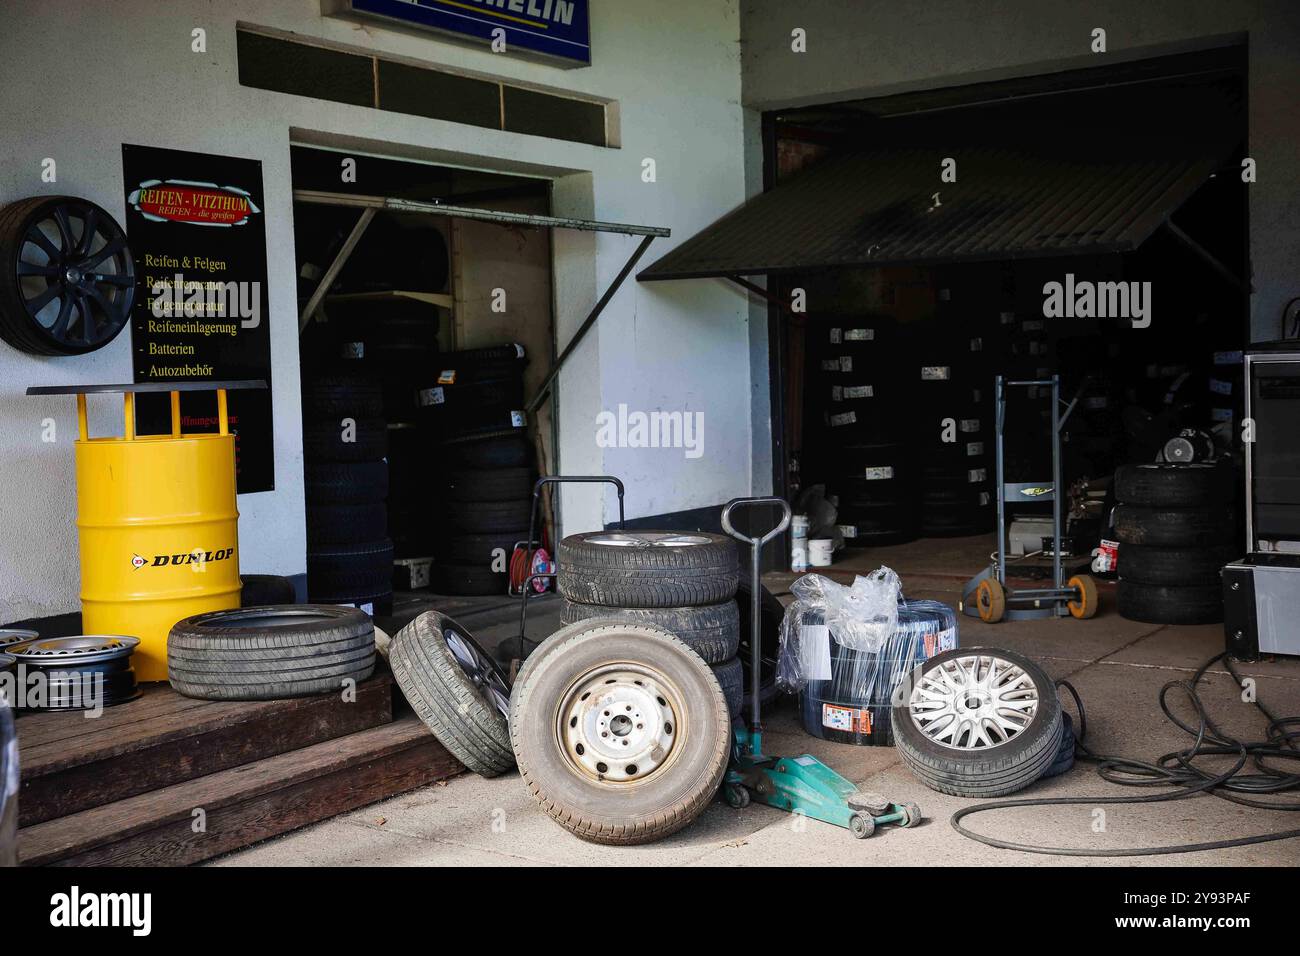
(245,804)
(70,763)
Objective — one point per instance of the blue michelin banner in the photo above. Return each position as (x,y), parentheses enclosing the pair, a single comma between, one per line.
(557,28)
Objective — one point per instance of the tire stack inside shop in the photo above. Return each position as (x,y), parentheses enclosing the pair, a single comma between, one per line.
(951,401)
(1176,530)
(472,413)
(856,390)
(684,582)
(345,441)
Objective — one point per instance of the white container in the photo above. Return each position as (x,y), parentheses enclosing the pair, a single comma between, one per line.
(799,543)
(819,552)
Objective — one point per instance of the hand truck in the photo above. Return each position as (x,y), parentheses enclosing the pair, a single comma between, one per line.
(803,784)
(987,595)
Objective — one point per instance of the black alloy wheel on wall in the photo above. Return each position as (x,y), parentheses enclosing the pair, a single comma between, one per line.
(67,279)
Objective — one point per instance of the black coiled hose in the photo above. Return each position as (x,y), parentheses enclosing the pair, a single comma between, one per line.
(1178,770)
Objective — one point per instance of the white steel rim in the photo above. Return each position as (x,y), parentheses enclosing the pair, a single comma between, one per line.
(620,723)
(648,539)
(974,702)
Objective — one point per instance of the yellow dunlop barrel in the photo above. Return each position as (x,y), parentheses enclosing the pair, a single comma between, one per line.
(158,528)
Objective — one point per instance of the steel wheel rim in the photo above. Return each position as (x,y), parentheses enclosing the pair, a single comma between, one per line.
(648,539)
(75,275)
(973,702)
(479,668)
(74,650)
(620,724)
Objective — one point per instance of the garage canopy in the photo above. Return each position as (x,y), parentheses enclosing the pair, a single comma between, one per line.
(1063,195)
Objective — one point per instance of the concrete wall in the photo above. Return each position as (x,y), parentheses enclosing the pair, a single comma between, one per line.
(873,47)
(82,78)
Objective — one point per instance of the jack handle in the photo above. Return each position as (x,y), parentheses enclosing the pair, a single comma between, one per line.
(755,592)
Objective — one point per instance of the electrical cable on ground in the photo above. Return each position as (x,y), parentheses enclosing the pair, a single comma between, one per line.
(1178,769)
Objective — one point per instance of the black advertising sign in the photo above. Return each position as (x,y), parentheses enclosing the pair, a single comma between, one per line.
(195,225)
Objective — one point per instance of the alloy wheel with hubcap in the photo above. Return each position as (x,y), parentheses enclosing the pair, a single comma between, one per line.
(977,722)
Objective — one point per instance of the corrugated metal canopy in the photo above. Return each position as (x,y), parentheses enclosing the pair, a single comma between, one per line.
(877,207)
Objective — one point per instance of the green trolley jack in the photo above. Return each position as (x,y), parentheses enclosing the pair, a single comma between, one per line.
(802,784)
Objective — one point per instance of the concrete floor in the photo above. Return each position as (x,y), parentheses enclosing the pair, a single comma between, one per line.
(1118,667)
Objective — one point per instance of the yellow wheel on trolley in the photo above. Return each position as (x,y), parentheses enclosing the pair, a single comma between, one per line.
(1086,605)
(990,601)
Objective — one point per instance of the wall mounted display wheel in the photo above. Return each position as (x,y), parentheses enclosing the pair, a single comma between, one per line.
(67,279)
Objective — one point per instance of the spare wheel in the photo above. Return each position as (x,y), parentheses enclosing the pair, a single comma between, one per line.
(977,722)
(620,730)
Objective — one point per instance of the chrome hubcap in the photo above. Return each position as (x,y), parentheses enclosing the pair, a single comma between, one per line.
(973,702)
(619,723)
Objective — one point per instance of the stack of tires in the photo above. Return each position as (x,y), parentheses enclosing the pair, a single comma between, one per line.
(345,440)
(953,434)
(485,464)
(1176,530)
(877,494)
(855,389)
(683,582)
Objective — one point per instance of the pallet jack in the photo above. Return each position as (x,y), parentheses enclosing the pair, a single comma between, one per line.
(987,595)
(803,784)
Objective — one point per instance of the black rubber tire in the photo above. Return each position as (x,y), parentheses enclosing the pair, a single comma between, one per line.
(1172,528)
(322,440)
(711,630)
(1181,567)
(376,602)
(477,548)
(646,575)
(1065,752)
(1173,486)
(270,653)
(346,482)
(259,590)
(17,327)
(467,579)
(1163,604)
(661,803)
(345,523)
(490,484)
(496,451)
(488,517)
(348,569)
(458,710)
(731,679)
(986,772)
(331,397)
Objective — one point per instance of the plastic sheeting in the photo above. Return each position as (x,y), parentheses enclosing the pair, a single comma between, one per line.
(846,654)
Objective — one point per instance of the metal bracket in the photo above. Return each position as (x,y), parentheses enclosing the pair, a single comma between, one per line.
(327,280)
(588,322)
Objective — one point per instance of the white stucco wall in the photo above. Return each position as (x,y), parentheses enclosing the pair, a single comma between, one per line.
(82,78)
(858,48)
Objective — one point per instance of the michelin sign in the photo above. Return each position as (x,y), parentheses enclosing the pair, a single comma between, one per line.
(553,28)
